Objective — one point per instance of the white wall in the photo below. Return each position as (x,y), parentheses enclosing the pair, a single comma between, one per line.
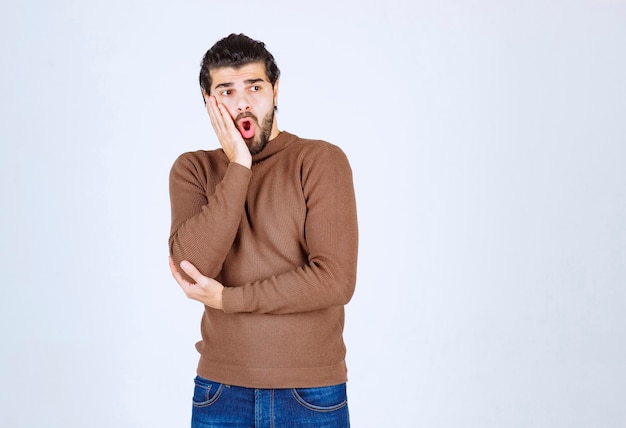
(488,143)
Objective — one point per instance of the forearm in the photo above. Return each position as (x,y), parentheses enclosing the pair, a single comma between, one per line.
(204,226)
(318,285)
(327,276)
(203,242)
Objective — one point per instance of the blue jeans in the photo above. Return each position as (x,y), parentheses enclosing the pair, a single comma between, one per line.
(217,405)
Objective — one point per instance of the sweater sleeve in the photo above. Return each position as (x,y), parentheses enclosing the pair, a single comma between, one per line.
(331,234)
(206,211)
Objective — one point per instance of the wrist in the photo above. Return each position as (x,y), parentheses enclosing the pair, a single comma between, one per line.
(244,160)
(219,301)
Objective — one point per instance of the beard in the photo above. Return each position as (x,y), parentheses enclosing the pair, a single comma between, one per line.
(261,137)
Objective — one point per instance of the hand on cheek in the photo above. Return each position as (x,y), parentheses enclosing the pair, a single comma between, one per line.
(228,135)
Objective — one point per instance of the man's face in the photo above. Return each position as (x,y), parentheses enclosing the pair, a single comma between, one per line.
(250,99)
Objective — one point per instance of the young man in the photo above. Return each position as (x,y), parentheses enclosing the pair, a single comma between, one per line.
(264,234)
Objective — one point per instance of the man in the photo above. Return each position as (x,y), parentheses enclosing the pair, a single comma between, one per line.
(264,234)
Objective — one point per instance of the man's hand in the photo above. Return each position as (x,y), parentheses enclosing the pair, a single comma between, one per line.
(205,290)
(229,136)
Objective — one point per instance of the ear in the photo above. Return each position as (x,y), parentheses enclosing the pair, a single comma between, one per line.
(204,95)
(276,93)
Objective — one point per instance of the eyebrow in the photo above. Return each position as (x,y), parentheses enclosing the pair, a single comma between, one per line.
(247,82)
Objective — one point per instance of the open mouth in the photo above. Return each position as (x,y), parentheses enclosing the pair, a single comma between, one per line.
(246,128)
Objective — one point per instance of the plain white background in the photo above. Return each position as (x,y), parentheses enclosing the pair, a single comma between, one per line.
(488,144)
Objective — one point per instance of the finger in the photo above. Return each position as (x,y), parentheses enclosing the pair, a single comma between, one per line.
(224,112)
(227,120)
(192,271)
(218,111)
(176,273)
(223,120)
(214,115)
(217,119)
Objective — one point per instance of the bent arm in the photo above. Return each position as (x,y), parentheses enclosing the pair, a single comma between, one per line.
(207,202)
(328,277)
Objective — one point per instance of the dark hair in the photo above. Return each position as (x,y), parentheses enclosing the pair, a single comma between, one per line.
(236,51)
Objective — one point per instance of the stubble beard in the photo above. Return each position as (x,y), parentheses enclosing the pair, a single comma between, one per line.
(257,143)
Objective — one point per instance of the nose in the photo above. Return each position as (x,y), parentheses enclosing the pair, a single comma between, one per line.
(243,104)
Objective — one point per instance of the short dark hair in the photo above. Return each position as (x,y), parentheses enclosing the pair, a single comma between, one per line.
(236,51)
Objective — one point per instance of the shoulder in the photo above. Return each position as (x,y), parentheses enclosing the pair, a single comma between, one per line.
(200,162)
(311,149)
(320,161)
(200,158)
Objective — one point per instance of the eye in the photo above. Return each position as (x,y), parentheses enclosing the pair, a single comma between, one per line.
(255,88)
(226,92)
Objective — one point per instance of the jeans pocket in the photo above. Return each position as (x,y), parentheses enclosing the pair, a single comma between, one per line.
(206,392)
(322,399)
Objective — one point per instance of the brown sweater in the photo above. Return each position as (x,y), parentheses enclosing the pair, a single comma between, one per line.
(282,238)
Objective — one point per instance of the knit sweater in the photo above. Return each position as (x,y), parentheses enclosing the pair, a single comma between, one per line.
(282,238)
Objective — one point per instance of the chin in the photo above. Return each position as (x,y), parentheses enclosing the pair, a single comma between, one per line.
(255,146)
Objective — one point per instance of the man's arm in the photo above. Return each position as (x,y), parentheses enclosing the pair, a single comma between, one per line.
(200,288)
(328,277)
(205,219)
(206,215)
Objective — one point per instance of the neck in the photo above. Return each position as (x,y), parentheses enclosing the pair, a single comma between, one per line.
(275,131)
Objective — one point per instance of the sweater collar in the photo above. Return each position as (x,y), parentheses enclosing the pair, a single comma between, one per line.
(282,140)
